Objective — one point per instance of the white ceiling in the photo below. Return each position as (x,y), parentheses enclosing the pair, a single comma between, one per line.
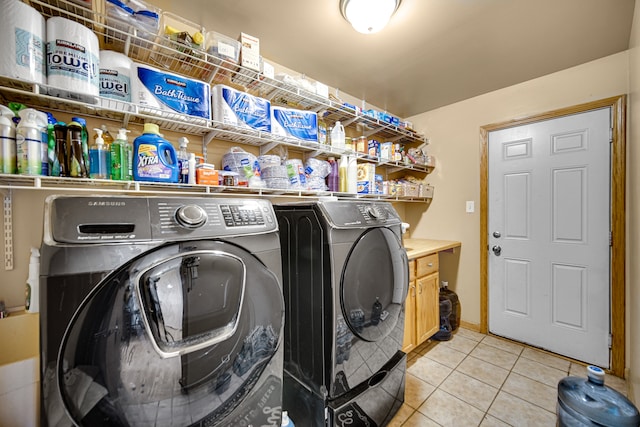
(433,52)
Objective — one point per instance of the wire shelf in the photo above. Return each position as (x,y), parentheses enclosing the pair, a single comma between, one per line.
(159,51)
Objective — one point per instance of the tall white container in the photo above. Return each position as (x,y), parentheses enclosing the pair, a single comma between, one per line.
(22,50)
(115,75)
(73,58)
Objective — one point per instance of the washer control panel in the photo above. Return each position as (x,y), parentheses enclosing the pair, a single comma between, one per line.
(201,217)
(117,219)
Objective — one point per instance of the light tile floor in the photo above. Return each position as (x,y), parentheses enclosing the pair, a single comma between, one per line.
(482,380)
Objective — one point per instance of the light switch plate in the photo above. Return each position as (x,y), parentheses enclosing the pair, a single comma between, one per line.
(470,206)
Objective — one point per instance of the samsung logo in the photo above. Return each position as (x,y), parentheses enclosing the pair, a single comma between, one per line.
(106,204)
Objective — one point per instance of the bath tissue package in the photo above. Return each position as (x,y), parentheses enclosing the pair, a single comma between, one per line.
(233,107)
(167,92)
(73,58)
(299,124)
(22,51)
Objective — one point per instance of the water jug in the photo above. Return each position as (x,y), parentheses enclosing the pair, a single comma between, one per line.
(337,135)
(591,403)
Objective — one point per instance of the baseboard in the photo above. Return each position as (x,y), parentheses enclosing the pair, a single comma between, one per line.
(471,326)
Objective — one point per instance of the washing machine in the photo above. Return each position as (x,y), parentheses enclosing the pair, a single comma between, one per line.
(159,311)
(345,280)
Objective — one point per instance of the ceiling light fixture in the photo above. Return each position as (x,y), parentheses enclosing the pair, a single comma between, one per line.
(368,16)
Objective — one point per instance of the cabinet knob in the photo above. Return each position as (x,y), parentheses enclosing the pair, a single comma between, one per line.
(430,264)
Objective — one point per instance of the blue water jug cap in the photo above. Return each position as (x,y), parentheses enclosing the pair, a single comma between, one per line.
(596,402)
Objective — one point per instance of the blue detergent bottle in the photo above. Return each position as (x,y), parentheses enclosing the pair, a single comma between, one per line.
(154,158)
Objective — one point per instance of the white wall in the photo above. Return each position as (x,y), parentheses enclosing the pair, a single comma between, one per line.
(455,141)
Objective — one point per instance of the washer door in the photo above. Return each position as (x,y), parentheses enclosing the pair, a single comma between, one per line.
(374,284)
(183,334)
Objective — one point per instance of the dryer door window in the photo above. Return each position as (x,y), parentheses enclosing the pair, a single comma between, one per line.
(186,333)
(374,284)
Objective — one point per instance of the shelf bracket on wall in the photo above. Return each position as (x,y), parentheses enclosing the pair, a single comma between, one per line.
(8,229)
(264,149)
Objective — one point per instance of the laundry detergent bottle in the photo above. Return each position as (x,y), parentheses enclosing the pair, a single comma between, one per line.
(154,157)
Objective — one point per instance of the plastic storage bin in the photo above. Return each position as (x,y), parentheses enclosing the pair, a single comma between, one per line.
(223,53)
(181,46)
(588,402)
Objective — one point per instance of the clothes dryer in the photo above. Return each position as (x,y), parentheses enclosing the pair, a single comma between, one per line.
(345,280)
(159,311)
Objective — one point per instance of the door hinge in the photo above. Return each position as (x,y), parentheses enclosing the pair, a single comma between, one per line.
(610,239)
(609,340)
(610,135)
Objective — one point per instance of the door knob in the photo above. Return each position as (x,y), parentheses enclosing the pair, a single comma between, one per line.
(496,250)
(496,234)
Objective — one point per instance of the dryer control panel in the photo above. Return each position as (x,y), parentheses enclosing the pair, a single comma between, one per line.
(348,214)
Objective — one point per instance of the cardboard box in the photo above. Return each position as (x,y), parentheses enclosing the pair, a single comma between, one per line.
(206,175)
(250,52)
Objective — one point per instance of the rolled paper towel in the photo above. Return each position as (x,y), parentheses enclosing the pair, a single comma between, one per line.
(22,51)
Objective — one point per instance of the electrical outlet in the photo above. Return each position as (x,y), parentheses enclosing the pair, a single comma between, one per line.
(470,206)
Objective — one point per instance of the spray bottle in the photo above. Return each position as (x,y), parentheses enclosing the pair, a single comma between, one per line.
(352,174)
(51,145)
(333,179)
(98,158)
(61,161)
(183,160)
(342,172)
(119,157)
(28,143)
(84,138)
(77,165)
(32,291)
(7,141)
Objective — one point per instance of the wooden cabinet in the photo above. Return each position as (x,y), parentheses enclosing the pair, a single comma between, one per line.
(422,318)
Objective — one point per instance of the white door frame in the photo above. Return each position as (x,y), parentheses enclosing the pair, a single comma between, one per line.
(618,175)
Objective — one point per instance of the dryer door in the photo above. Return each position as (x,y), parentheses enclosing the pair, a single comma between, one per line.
(187,333)
(374,284)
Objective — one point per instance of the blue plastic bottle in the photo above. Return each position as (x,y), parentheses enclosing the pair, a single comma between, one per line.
(154,158)
(591,403)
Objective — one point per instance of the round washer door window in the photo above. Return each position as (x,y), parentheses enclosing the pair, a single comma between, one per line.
(374,284)
(181,334)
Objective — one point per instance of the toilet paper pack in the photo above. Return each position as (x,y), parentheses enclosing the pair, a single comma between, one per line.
(237,108)
(299,124)
(167,92)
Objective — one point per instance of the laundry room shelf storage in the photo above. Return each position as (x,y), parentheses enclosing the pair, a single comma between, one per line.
(151,49)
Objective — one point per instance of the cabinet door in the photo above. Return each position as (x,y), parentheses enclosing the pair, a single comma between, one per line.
(427,307)
(409,342)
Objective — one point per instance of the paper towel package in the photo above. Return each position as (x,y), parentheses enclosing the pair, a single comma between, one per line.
(22,51)
(73,58)
(167,92)
(233,107)
(299,124)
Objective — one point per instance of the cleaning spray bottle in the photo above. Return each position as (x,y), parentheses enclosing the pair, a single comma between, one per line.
(84,138)
(77,165)
(28,143)
(119,160)
(154,157)
(352,174)
(183,160)
(51,145)
(98,158)
(342,172)
(32,291)
(7,141)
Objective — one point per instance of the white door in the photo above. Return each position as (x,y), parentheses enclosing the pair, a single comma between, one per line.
(548,213)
